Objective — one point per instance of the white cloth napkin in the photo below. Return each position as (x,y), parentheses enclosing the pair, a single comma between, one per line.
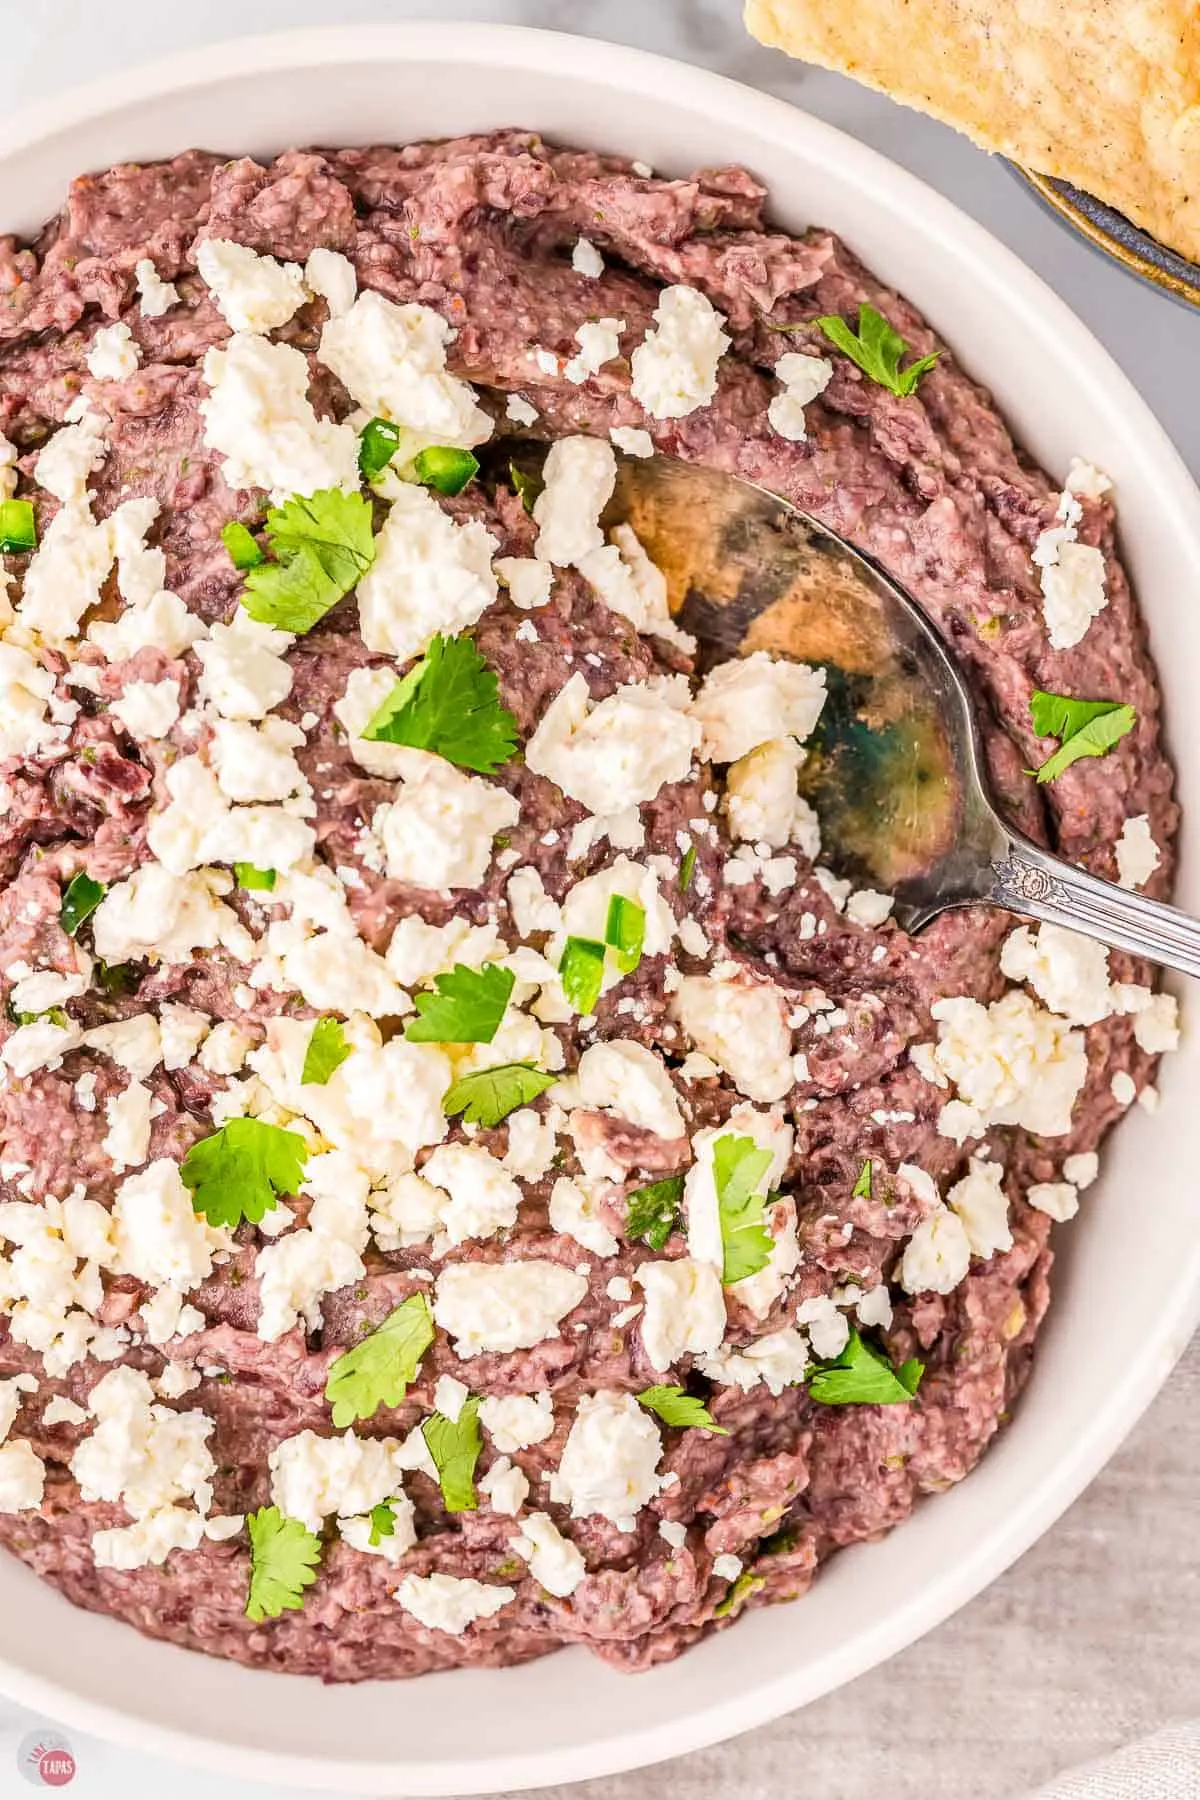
(1163,1767)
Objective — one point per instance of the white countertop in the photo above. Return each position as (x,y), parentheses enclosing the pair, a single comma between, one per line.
(1094,1637)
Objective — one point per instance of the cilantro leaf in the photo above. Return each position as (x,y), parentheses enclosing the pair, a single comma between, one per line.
(466,1009)
(383,1522)
(739,1166)
(449,703)
(239,1172)
(687,868)
(18,527)
(1085,728)
(444,469)
(625,932)
(323,544)
(675,1407)
(652,1212)
(245,551)
(487,1096)
(877,350)
(283,1561)
(743,1588)
(454,1445)
(862,1187)
(80,899)
(254,879)
(327,1051)
(377,444)
(581,968)
(527,487)
(863,1376)
(376,1371)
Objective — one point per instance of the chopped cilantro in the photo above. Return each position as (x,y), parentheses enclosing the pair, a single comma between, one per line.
(80,899)
(383,1522)
(327,1051)
(527,487)
(877,350)
(739,1167)
(18,527)
(487,1096)
(466,1009)
(283,1561)
(1084,728)
(862,1187)
(253,879)
(444,469)
(245,551)
(454,1445)
(377,445)
(449,703)
(743,1588)
(377,1370)
(581,968)
(675,1407)
(625,932)
(863,1376)
(323,544)
(240,1171)
(652,1212)
(116,978)
(687,868)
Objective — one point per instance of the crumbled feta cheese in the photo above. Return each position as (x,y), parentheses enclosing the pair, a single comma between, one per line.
(73,453)
(517,1421)
(632,440)
(982,1205)
(937,1255)
(63,1411)
(1082,1168)
(506,1487)
(127,1141)
(684,1311)
(331,276)
(631,1081)
(253,293)
(438,831)
(1156,1026)
(483,1197)
(26,691)
(580,474)
(40,1045)
(599,342)
(761,801)
(675,367)
(430,574)
(869,908)
(631,585)
(554,1561)
(752,700)
(519,410)
(586,259)
(828,1329)
(1059,1200)
(1012,1063)
(246,673)
(1124,1088)
(575,1213)
(392,359)
(113,353)
(610,1461)
(314,1477)
(673,1532)
(157,916)
(529,581)
(147,709)
(152,1460)
(259,417)
(400,1540)
(1067,972)
(22,1477)
(450,1396)
(803,378)
(742,1024)
(417,951)
(1137,853)
(156,295)
(620,752)
(66,576)
(505,1306)
(450,1603)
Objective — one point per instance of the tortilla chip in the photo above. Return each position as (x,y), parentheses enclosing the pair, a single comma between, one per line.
(1103,93)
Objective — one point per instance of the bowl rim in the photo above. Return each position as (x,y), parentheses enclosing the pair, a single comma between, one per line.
(1025,295)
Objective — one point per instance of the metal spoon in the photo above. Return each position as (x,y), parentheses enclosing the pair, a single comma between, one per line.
(896,771)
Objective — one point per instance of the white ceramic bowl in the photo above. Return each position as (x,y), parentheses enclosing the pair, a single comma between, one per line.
(1128,1284)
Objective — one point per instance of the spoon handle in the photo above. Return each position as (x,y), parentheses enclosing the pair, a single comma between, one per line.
(1029,880)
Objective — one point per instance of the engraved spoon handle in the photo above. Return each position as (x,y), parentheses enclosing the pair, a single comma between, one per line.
(1029,880)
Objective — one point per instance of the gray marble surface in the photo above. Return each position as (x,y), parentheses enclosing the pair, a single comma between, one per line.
(1094,1638)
